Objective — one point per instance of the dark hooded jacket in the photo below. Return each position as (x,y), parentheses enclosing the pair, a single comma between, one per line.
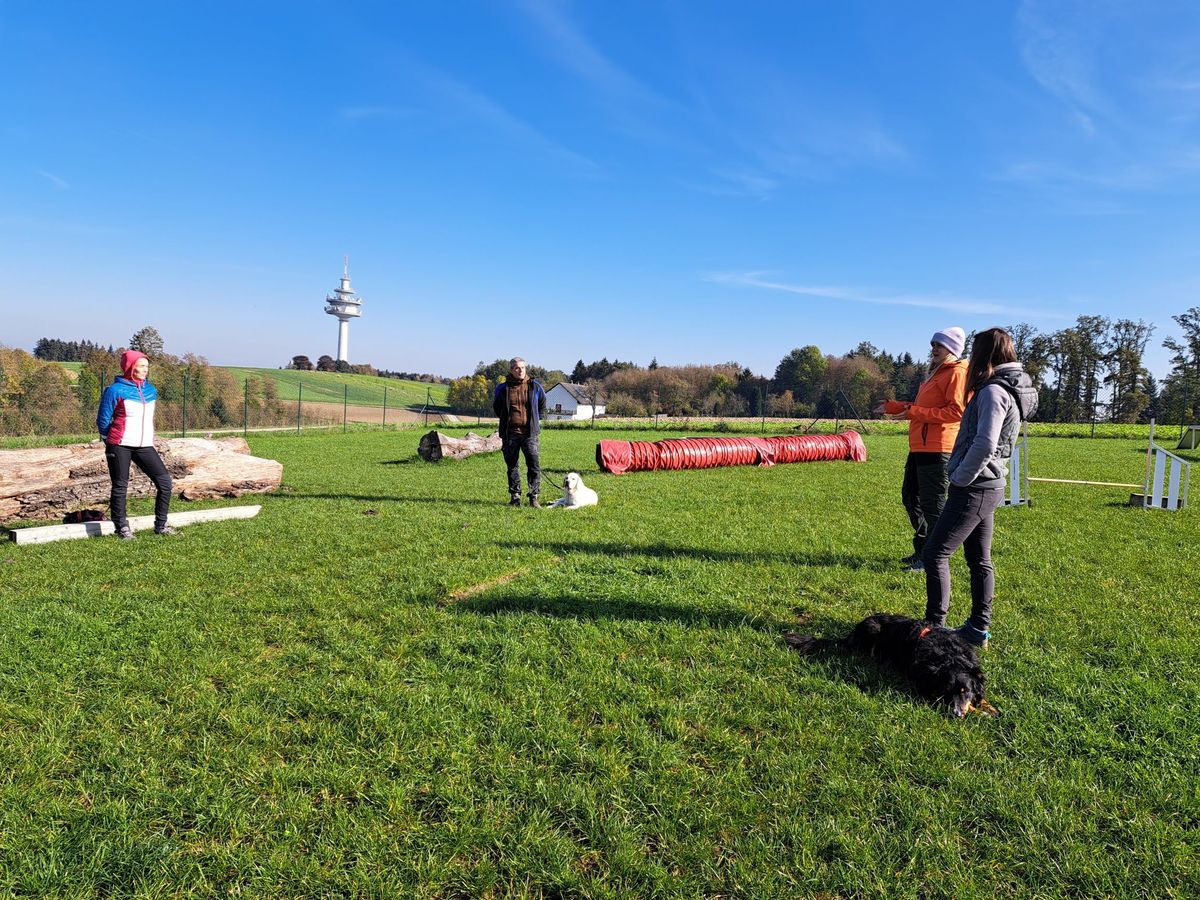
(537,407)
(990,427)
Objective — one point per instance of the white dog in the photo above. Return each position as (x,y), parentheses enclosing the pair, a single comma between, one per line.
(577,494)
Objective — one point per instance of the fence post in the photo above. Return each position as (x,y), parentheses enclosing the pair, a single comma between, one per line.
(762,407)
(299,403)
(246,407)
(385,404)
(345,405)
(185,393)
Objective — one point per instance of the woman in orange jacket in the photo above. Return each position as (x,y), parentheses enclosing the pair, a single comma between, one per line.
(933,419)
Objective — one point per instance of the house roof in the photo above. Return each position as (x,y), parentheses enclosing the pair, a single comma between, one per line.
(578,391)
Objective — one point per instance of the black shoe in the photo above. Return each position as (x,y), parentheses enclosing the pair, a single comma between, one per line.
(910,559)
(533,501)
(515,501)
(125,533)
(166,530)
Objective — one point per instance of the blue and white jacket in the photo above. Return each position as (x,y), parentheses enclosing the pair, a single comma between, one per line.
(126,416)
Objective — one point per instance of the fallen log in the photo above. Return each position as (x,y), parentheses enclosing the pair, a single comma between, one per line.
(435,445)
(46,482)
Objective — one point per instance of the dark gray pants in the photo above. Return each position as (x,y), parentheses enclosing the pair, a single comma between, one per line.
(146,459)
(967,522)
(514,446)
(923,493)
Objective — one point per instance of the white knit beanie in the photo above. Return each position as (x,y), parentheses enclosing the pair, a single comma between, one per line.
(953,339)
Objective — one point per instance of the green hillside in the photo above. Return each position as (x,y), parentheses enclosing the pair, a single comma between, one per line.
(364,390)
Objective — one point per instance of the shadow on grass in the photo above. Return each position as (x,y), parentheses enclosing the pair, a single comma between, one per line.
(598,608)
(665,551)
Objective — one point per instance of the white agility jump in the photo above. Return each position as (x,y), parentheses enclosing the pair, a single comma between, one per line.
(1164,486)
(1016,492)
(1190,439)
(1167,479)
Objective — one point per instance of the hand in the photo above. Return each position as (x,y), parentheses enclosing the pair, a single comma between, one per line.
(878,409)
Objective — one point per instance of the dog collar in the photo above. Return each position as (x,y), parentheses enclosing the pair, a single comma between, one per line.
(925,631)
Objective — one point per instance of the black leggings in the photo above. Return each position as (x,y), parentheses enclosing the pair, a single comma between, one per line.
(146,459)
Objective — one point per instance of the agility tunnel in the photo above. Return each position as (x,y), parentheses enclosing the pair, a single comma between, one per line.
(618,457)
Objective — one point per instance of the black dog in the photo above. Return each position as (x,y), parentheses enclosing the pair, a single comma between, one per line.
(941,666)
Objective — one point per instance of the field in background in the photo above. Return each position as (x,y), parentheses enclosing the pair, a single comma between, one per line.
(391,684)
(330,387)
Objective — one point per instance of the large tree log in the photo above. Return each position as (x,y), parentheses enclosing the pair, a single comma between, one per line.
(435,445)
(46,482)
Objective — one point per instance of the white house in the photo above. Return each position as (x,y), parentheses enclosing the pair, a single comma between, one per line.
(570,401)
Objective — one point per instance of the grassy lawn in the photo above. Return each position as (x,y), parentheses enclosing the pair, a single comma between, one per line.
(391,684)
(364,390)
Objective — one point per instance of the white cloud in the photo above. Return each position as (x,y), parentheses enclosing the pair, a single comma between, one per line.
(465,100)
(60,184)
(357,113)
(567,43)
(949,302)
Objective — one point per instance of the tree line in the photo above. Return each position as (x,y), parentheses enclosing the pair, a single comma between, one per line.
(39,397)
(1093,369)
(327,363)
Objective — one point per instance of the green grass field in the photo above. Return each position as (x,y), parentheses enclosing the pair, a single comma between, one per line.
(364,390)
(391,684)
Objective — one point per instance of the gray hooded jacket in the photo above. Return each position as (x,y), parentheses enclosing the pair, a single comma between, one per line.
(990,426)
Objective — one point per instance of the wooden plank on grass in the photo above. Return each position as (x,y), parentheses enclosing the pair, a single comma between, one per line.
(46,533)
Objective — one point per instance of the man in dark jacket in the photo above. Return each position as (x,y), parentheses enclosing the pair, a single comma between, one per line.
(520,404)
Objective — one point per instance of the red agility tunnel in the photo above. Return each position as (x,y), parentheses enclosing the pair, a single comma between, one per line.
(618,457)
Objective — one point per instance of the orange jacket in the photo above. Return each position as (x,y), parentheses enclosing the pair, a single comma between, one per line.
(934,416)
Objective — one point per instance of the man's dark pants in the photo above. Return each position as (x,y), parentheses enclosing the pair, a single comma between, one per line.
(146,459)
(516,443)
(923,493)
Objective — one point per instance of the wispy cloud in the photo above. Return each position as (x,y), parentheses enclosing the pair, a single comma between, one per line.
(461,99)
(1059,58)
(60,184)
(949,302)
(1126,78)
(568,44)
(745,182)
(359,113)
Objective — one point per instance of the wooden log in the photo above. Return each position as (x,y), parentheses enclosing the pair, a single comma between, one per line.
(44,534)
(46,482)
(435,445)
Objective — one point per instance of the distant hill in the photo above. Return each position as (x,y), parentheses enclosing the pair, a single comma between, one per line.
(330,387)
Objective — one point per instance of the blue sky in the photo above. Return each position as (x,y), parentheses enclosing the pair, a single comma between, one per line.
(693,181)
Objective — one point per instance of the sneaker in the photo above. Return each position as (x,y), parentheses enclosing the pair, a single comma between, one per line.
(515,501)
(533,501)
(166,530)
(973,635)
(910,559)
(125,533)
(915,566)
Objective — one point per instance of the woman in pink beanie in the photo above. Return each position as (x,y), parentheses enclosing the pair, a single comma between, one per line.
(126,422)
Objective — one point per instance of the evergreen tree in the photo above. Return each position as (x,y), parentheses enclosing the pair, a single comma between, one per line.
(147,340)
